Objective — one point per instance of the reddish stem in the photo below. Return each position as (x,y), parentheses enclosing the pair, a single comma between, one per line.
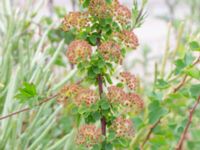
(28,108)
(183,136)
(103,119)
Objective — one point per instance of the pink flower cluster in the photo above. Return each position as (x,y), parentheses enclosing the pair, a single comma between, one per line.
(128,39)
(75,20)
(88,135)
(117,95)
(122,15)
(77,94)
(123,127)
(79,49)
(86,96)
(111,51)
(68,92)
(98,8)
(129,79)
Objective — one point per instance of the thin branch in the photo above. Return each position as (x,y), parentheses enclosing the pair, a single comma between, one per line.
(149,133)
(39,104)
(183,136)
(28,108)
(175,90)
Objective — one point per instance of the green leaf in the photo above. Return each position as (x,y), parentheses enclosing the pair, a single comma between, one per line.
(94,107)
(158,140)
(156,111)
(105,105)
(93,39)
(108,146)
(27,93)
(96,147)
(120,85)
(111,136)
(86,3)
(194,45)
(193,72)
(108,79)
(180,65)
(82,109)
(108,1)
(96,115)
(195,90)
(188,59)
(161,84)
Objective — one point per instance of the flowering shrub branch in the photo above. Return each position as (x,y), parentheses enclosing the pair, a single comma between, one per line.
(183,136)
(103,34)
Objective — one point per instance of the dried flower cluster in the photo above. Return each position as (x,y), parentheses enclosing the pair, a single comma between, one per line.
(129,79)
(123,127)
(79,49)
(75,20)
(88,135)
(111,51)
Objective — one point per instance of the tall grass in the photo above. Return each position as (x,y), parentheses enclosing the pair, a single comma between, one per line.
(24,56)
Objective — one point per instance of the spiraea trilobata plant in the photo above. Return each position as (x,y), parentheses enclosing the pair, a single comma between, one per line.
(104,98)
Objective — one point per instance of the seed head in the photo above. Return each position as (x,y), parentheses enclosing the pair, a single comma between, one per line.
(129,79)
(123,127)
(88,135)
(79,49)
(111,51)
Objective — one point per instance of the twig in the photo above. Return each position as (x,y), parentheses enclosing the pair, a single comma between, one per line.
(149,133)
(100,86)
(39,104)
(175,90)
(28,108)
(183,136)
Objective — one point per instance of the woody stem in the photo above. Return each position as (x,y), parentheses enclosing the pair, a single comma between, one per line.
(103,119)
